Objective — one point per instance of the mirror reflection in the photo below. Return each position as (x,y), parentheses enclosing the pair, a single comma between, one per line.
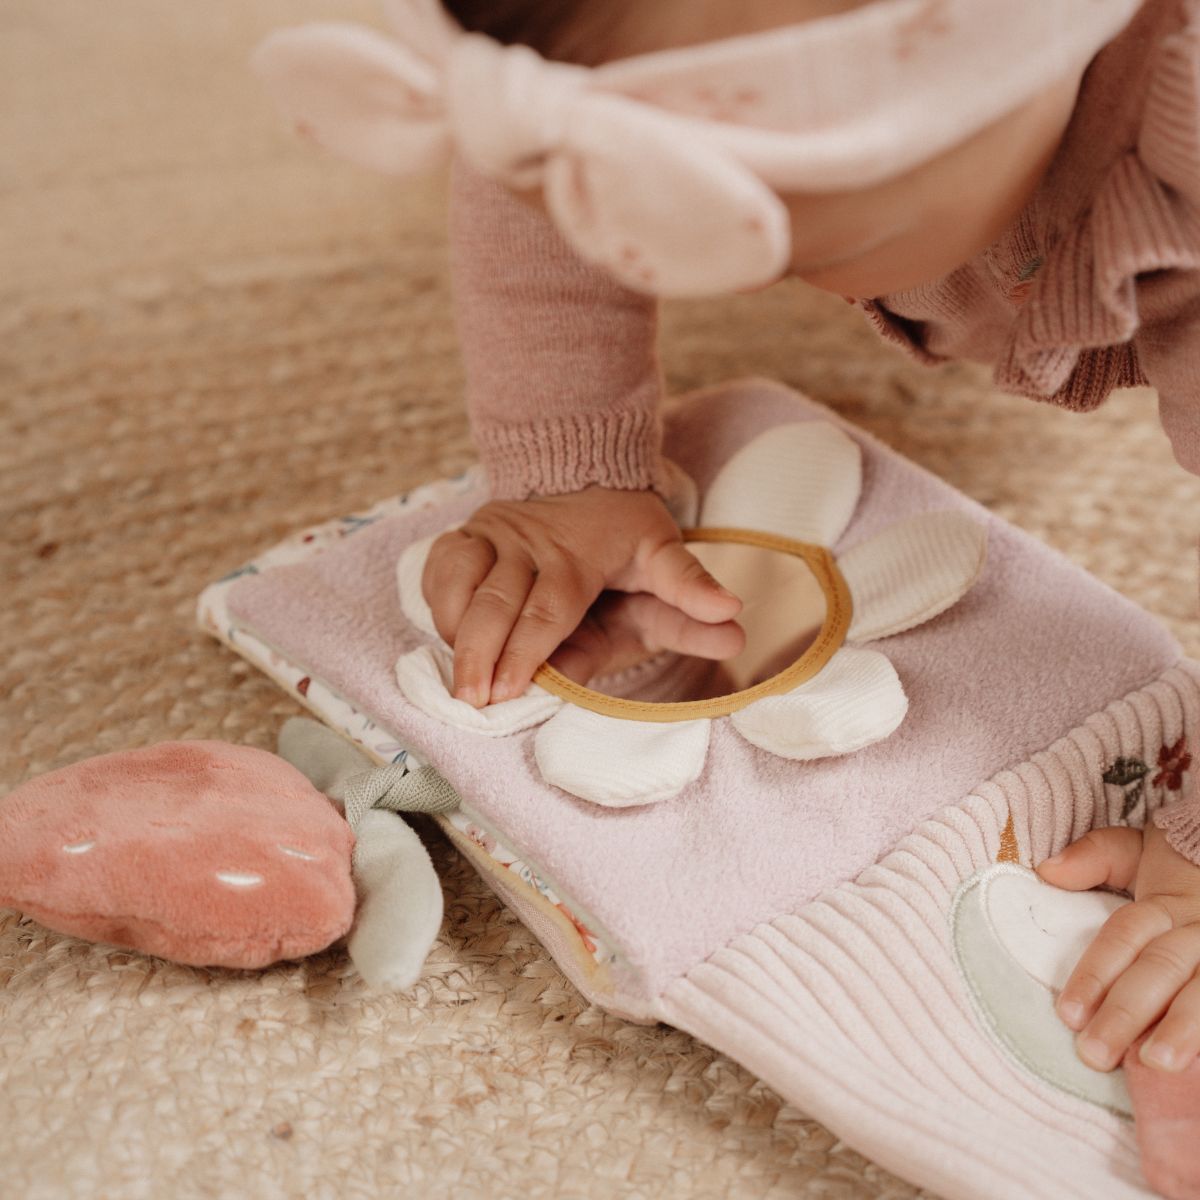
(783,610)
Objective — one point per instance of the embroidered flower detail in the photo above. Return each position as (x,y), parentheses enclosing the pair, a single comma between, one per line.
(799,481)
(1030,269)
(1129,774)
(1020,290)
(1172,762)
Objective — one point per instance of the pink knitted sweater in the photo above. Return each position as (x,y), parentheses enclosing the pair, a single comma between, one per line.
(1095,286)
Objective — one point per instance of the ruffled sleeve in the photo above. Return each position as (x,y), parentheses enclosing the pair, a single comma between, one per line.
(1096,285)
(1179,819)
(1168,342)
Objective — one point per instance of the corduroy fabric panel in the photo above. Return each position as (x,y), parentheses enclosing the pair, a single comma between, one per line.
(854,1009)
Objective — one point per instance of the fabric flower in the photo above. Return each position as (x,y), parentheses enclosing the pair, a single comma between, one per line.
(1172,762)
(798,481)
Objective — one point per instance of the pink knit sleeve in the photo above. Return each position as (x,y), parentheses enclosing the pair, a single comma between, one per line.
(1180,821)
(563,383)
(1168,341)
(1168,301)
(1169,354)
(1168,349)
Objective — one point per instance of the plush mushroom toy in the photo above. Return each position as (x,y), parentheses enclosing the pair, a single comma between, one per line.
(212,854)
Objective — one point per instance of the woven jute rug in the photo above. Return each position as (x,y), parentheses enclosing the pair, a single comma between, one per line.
(209,338)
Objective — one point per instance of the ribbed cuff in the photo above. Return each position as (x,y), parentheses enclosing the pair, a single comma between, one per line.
(1181,824)
(618,449)
(900,331)
(1169,140)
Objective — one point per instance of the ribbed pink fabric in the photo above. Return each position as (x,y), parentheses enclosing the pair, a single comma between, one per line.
(853,1007)
(1181,821)
(1094,286)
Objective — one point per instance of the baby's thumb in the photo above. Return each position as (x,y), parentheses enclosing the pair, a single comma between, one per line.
(1103,856)
(676,576)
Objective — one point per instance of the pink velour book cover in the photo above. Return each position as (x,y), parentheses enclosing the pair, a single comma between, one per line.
(826,873)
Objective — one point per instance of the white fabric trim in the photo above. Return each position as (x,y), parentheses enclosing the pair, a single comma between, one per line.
(425,675)
(620,763)
(911,571)
(855,700)
(801,480)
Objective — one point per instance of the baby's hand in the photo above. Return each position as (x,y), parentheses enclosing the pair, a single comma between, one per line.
(1141,965)
(509,586)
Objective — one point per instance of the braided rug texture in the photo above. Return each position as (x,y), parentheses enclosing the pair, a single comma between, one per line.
(209,337)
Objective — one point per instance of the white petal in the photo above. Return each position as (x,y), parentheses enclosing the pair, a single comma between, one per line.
(409,568)
(799,480)
(620,763)
(424,676)
(854,700)
(912,571)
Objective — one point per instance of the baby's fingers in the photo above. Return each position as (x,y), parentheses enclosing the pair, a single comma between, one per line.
(485,627)
(1176,1040)
(1103,856)
(659,626)
(622,630)
(1113,950)
(673,574)
(1141,993)
(458,563)
(553,608)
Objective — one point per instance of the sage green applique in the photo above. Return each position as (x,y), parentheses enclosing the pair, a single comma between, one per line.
(1030,269)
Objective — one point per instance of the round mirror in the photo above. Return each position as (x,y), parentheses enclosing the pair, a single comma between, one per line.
(795,613)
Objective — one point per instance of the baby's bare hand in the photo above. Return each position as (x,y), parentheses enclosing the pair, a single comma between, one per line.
(1141,966)
(621,630)
(509,586)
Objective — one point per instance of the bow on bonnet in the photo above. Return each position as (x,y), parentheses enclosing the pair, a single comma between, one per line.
(663,167)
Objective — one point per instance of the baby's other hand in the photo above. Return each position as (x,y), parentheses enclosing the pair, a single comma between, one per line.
(509,586)
(1140,968)
(620,630)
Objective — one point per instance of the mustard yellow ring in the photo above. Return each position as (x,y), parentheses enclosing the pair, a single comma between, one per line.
(838,611)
